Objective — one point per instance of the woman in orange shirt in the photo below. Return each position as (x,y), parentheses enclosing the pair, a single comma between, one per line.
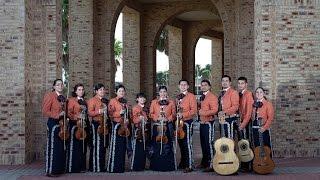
(77,113)
(162,111)
(262,111)
(52,107)
(140,139)
(97,110)
(118,112)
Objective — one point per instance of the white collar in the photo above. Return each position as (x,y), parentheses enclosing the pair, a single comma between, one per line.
(226,89)
(205,93)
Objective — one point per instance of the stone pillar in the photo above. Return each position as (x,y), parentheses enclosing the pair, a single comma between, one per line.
(12,78)
(43,65)
(287,50)
(30,61)
(245,41)
(175,59)
(131,52)
(81,43)
(216,65)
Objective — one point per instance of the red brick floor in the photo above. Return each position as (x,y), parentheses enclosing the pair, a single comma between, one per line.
(286,168)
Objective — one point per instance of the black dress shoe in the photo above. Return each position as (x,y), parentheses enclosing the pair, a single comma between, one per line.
(200,166)
(52,175)
(208,169)
(187,170)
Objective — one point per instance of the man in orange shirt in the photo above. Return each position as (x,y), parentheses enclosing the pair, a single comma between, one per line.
(188,109)
(209,107)
(228,106)
(245,110)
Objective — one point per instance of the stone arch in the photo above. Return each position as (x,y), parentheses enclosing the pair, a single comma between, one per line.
(193,32)
(156,16)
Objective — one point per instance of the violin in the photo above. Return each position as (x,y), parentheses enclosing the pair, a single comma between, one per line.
(102,128)
(142,125)
(180,134)
(124,130)
(142,131)
(63,133)
(81,133)
(161,137)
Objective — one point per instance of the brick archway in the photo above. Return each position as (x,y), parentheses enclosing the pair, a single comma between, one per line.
(156,16)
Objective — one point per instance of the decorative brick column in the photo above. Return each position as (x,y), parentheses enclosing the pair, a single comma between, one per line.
(30,61)
(131,52)
(175,59)
(287,50)
(216,65)
(81,43)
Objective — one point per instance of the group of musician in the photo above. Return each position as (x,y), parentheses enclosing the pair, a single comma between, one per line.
(112,130)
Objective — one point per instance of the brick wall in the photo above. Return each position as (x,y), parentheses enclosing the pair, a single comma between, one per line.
(12,89)
(216,69)
(245,41)
(131,53)
(287,64)
(42,66)
(81,43)
(175,59)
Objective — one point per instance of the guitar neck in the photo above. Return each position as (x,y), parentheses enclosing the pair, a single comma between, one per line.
(262,153)
(222,129)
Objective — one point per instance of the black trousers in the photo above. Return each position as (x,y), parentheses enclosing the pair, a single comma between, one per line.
(206,140)
(185,145)
(117,150)
(77,151)
(97,158)
(55,153)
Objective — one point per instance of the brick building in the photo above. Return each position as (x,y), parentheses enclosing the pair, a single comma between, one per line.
(275,43)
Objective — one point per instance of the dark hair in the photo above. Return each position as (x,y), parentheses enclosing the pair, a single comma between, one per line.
(120,86)
(226,76)
(55,82)
(262,90)
(184,81)
(74,94)
(97,87)
(140,95)
(163,87)
(243,79)
(206,81)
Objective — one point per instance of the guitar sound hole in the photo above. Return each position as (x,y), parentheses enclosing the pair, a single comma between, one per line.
(224,148)
(244,147)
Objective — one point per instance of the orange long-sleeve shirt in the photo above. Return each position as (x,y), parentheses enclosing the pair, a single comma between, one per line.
(74,109)
(245,108)
(94,104)
(209,107)
(266,112)
(137,111)
(189,106)
(230,102)
(170,110)
(51,107)
(114,109)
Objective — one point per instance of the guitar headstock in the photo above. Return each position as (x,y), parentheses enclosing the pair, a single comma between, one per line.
(222,119)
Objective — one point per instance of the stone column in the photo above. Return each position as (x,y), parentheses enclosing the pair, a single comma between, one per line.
(175,59)
(216,65)
(131,52)
(81,43)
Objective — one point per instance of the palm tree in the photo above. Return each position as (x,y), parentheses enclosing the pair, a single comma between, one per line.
(162,44)
(117,51)
(162,78)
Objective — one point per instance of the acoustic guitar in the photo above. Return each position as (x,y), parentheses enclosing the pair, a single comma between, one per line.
(225,161)
(245,153)
(262,162)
